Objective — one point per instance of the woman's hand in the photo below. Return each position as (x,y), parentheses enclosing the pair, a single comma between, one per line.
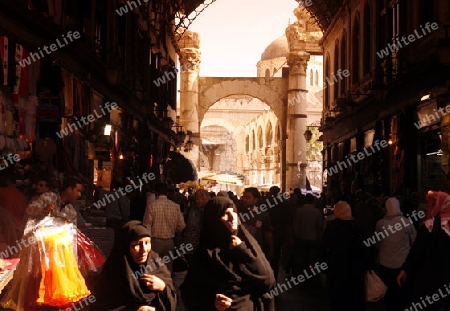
(222,302)
(146,308)
(153,282)
(401,278)
(235,241)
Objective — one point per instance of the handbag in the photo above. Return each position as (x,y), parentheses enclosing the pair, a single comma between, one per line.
(375,287)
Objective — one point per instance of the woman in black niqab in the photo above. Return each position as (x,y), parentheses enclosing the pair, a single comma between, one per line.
(229,266)
(123,284)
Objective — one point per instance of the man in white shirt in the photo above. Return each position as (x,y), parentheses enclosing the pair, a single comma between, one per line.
(164,218)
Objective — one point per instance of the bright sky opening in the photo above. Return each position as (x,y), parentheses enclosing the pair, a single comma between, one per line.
(234,34)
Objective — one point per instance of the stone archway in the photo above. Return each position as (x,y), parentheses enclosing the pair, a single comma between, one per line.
(273,92)
(285,96)
(215,121)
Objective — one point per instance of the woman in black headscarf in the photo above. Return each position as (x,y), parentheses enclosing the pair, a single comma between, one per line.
(229,269)
(342,248)
(134,278)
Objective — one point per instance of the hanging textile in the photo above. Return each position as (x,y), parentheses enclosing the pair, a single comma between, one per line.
(18,68)
(2,113)
(68,93)
(4,57)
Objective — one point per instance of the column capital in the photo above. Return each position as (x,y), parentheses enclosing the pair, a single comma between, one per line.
(190,59)
(298,62)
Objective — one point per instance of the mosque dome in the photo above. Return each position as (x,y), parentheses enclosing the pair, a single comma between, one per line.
(278,48)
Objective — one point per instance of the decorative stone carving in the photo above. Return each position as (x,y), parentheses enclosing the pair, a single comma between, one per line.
(307,21)
(296,37)
(189,39)
(304,32)
(190,59)
(298,62)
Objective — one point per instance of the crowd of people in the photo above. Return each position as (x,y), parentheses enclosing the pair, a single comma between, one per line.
(234,247)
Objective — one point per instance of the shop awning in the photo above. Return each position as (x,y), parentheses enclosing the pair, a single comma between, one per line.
(181,169)
(222,178)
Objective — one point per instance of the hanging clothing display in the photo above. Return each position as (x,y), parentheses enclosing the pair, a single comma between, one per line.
(45,149)
(4,57)
(2,112)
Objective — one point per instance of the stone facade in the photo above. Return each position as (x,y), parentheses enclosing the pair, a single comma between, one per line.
(392,61)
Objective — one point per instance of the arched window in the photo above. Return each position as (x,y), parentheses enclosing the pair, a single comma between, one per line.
(336,68)
(278,135)
(356,44)
(267,74)
(260,138)
(325,83)
(247,144)
(344,83)
(311,77)
(269,134)
(367,37)
(253,140)
(317,78)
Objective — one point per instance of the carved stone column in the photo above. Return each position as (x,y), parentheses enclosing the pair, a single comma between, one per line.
(190,68)
(296,153)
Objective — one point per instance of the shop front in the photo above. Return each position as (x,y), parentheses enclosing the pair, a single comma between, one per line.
(434,149)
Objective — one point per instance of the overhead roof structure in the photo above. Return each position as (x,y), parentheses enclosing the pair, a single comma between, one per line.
(322,11)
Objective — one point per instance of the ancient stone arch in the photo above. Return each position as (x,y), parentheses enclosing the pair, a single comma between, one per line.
(211,90)
(284,95)
(221,122)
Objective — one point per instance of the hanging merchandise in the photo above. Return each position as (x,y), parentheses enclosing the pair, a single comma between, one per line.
(48,272)
(4,58)
(45,149)
(9,122)
(90,258)
(61,281)
(18,73)
(2,112)
(30,118)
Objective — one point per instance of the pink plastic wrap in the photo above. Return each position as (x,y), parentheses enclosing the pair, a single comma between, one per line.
(90,257)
